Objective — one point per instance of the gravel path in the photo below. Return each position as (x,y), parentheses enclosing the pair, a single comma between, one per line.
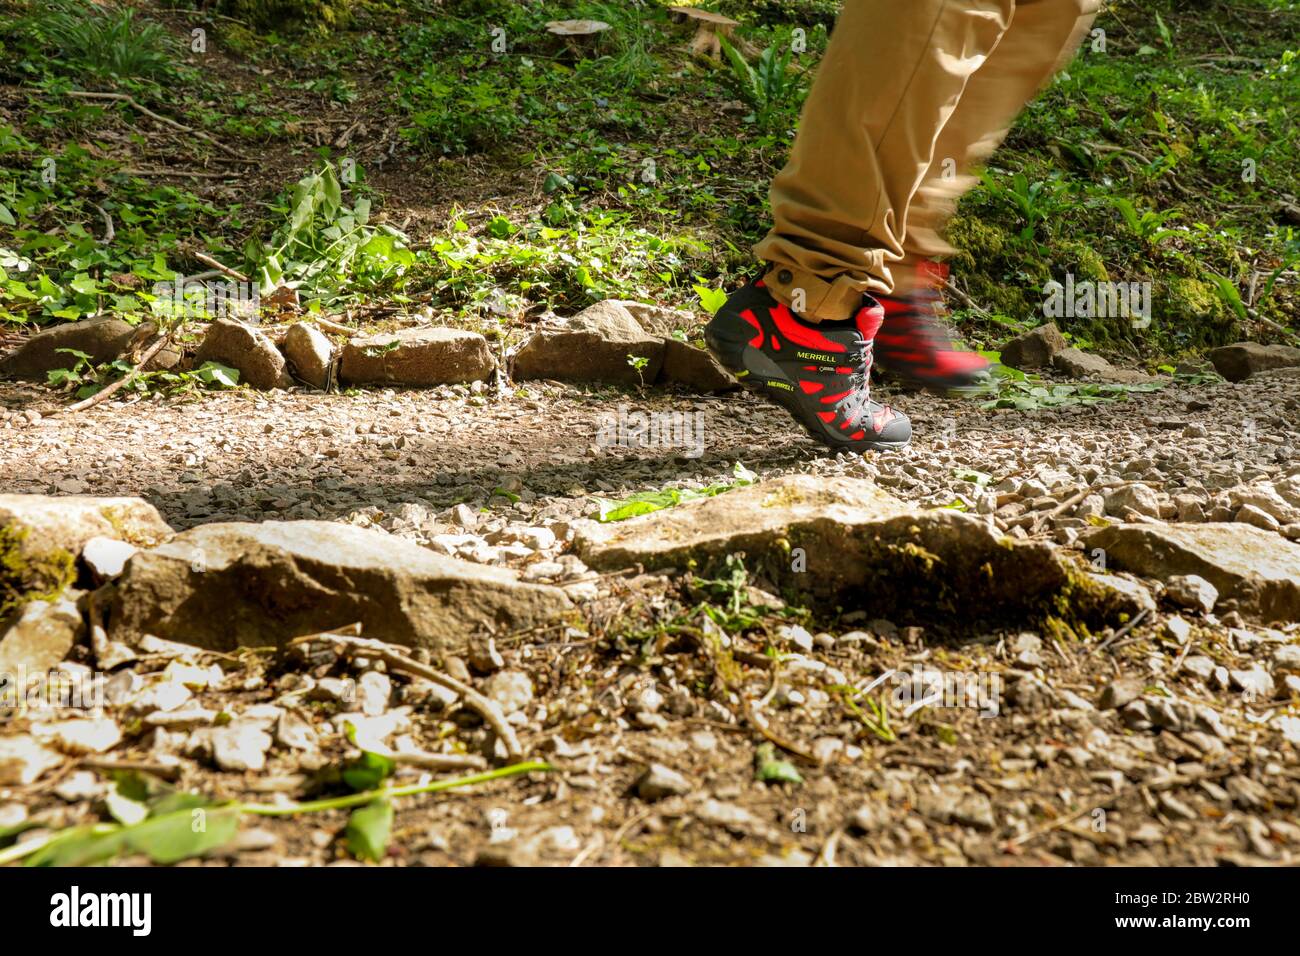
(654,767)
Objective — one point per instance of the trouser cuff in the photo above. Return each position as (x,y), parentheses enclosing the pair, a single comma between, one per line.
(812,297)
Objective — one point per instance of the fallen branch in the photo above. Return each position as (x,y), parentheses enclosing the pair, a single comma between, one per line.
(965,299)
(135,104)
(104,393)
(1137,619)
(109,231)
(133,171)
(335,327)
(397,661)
(207,260)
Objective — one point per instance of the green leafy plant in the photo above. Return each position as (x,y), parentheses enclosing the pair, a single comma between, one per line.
(1037,202)
(103,40)
(711,300)
(1146,225)
(768,768)
(1229,294)
(767,85)
(639,363)
(369,829)
(327,248)
(178,826)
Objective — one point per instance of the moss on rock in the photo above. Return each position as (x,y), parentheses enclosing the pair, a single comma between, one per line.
(25,576)
(290,15)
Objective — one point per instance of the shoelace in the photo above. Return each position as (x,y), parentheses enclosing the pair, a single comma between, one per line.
(857,403)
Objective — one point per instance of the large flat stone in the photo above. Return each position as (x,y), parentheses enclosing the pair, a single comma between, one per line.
(1243,359)
(432,356)
(41,537)
(103,339)
(1090,367)
(844,542)
(223,586)
(1258,569)
(594,347)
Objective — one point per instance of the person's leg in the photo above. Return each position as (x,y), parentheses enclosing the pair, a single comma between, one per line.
(913,342)
(892,75)
(1042,38)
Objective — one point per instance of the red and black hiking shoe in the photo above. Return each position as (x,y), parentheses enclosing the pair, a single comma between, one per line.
(914,345)
(819,373)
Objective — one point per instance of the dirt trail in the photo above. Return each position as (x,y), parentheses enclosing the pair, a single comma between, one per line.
(1056,779)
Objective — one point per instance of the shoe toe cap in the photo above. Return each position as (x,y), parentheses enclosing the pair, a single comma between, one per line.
(898,430)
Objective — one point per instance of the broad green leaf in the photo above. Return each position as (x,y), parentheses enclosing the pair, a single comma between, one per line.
(368,771)
(711,300)
(214,373)
(369,829)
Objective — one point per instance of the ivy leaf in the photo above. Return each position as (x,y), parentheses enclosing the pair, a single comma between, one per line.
(711,300)
(369,829)
(214,373)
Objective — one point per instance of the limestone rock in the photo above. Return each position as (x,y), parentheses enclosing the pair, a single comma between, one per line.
(247,350)
(594,347)
(23,760)
(1240,361)
(105,557)
(845,541)
(1192,591)
(657,319)
(228,585)
(309,353)
(1256,568)
(1093,368)
(1137,498)
(40,637)
(1035,348)
(103,339)
(80,736)
(427,356)
(695,368)
(42,536)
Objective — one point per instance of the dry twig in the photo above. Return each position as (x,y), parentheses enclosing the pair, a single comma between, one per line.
(398,661)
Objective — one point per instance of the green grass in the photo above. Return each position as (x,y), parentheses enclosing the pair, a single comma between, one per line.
(636,171)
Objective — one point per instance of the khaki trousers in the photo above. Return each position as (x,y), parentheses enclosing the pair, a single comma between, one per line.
(910,96)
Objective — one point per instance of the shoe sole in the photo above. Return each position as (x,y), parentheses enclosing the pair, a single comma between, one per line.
(754,368)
